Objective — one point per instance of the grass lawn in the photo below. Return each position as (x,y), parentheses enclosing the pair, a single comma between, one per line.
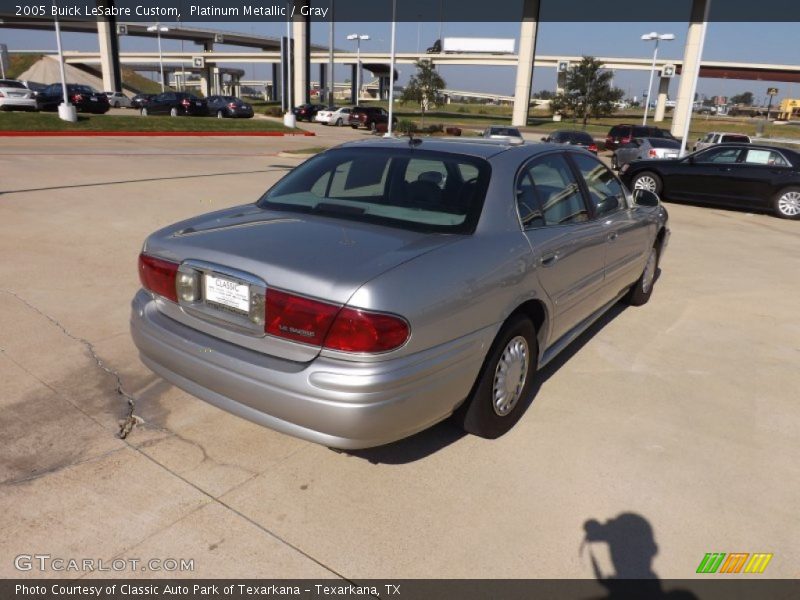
(20,121)
(478,116)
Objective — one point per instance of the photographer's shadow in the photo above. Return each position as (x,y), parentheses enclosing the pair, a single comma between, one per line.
(632,548)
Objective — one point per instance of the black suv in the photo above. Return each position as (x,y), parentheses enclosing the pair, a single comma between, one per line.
(623,134)
(175,104)
(370,117)
(83,97)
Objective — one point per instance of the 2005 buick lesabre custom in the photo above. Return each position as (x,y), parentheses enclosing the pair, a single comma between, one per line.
(382,286)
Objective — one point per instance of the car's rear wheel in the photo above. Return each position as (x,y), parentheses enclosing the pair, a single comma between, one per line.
(339,122)
(116,104)
(143,112)
(499,396)
(372,126)
(647,180)
(787,203)
(641,291)
(354,126)
(173,112)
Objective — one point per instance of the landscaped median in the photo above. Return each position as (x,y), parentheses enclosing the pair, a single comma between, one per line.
(36,124)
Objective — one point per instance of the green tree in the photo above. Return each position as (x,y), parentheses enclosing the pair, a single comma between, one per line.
(746,98)
(587,92)
(424,87)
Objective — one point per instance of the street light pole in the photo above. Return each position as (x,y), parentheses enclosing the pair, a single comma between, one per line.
(66,111)
(657,37)
(158,28)
(358,37)
(389,128)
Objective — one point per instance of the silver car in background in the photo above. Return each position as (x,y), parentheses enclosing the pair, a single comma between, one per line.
(503,133)
(645,149)
(383,286)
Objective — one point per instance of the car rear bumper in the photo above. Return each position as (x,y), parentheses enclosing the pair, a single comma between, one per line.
(19,103)
(337,403)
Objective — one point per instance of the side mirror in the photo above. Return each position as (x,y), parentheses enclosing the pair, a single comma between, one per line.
(646,198)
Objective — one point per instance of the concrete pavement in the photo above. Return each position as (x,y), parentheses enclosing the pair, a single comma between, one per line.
(682,412)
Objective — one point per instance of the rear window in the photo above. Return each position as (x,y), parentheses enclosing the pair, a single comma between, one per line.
(737,139)
(11,84)
(663,143)
(577,137)
(508,131)
(405,188)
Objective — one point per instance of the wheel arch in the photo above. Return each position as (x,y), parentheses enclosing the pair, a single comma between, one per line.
(536,310)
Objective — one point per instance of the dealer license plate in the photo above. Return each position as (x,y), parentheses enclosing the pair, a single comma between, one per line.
(227,293)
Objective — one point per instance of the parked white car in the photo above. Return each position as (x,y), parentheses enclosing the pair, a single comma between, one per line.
(720,137)
(336,116)
(14,95)
(118,100)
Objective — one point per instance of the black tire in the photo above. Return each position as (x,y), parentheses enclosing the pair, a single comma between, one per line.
(787,207)
(116,104)
(641,291)
(479,415)
(372,126)
(648,174)
(339,122)
(354,126)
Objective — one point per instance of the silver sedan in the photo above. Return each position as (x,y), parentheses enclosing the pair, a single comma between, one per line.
(383,286)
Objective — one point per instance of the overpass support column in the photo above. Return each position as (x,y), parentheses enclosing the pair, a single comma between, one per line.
(275,90)
(661,101)
(109,54)
(323,83)
(353,90)
(301,30)
(207,76)
(527,52)
(690,69)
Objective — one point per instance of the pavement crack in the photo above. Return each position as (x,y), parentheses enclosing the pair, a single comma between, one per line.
(130,420)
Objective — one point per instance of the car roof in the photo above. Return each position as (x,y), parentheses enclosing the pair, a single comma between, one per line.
(478,147)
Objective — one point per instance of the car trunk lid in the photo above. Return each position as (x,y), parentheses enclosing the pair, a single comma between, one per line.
(314,256)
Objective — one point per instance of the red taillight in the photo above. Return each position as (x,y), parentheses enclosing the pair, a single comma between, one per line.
(158,276)
(593,148)
(652,153)
(232,105)
(625,140)
(186,102)
(297,318)
(322,324)
(357,330)
(77,98)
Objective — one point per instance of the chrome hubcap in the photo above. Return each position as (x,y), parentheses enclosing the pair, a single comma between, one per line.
(510,376)
(649,271)
(789,204)
(645,182)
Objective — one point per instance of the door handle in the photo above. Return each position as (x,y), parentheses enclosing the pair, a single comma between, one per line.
(725,169)
(612,237)
(549,260)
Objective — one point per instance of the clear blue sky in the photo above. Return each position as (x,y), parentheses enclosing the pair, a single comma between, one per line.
(751,42)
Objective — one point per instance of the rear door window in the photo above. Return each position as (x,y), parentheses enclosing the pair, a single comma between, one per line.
(605,191)
(764,157)
(548,194)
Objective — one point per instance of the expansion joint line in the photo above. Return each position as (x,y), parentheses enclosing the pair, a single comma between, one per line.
(130,420)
